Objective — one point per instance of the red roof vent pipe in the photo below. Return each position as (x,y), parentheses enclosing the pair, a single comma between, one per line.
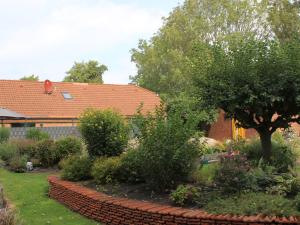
(48,87)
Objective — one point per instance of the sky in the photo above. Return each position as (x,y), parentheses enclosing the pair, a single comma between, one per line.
(46,37)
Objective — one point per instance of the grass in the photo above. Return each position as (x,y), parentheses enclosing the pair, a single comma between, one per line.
(28,192)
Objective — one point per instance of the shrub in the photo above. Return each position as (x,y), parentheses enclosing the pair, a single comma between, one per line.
(184,194)
(205,174)
(7,150)
(295,187)
(285,185)
(297,202)
(4,134)
(232,176)
(105,132)
(25,146)
(253,204)
(106,170)
(282,157)
(36,134)
(167,149)
(45,152)
(131,167)
(17,163)
(67,146)
(76,168)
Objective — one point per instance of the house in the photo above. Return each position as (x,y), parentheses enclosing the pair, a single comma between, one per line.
(225,128)
(59,105)
(55,104)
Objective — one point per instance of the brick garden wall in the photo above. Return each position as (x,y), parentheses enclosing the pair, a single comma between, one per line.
(121,211)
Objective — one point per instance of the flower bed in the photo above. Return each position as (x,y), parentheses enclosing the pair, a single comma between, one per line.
(115,211)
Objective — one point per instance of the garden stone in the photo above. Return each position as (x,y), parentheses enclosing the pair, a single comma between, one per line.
(29,166)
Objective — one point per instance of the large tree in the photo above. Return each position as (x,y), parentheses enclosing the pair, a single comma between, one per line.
(163,62)
(30,77)
(86,72)
(257,83)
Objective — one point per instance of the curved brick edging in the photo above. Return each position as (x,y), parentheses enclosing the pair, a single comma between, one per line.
(122,211)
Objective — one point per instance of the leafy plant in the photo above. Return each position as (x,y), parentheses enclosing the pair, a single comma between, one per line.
(252,204)
(105,132)
(167,149)
(17,163)
(184,194)
(46,153)
(36,134)
(4,134)
(7,150)
(67,146)
(231,176)
(25,146)
(131,167)
(205,174)
(297,202)
(106,170)
(76,168)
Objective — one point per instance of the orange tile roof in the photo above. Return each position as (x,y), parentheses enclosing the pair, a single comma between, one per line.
(29,98)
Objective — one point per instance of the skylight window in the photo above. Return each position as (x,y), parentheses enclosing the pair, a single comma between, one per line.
(67,95)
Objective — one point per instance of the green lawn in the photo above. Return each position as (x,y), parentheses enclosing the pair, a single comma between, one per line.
(28,192)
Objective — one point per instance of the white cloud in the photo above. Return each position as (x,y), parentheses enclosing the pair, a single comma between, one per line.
(102,26)
(62,31)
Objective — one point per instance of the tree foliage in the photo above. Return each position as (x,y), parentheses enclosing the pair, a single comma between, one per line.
(30,78)
(255,82)
(284,18)
(86,72)
(165,62)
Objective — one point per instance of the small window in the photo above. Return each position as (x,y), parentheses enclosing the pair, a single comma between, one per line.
(67,95)
(23,125)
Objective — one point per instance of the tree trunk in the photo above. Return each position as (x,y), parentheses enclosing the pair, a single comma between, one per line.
(266,144)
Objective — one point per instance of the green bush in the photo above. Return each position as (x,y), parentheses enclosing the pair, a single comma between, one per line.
(297,202)
(4,134)
(167,149)
(232,175)
(282,157)
(45,152)
(284,184)
(184,194)
(67,146)
(7,150)
(105,132)
(295,187)
(25,146)
(131,167)
(17,163)
(106,170)
(253,204)
(205,174)
(76,168)
(36,134)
